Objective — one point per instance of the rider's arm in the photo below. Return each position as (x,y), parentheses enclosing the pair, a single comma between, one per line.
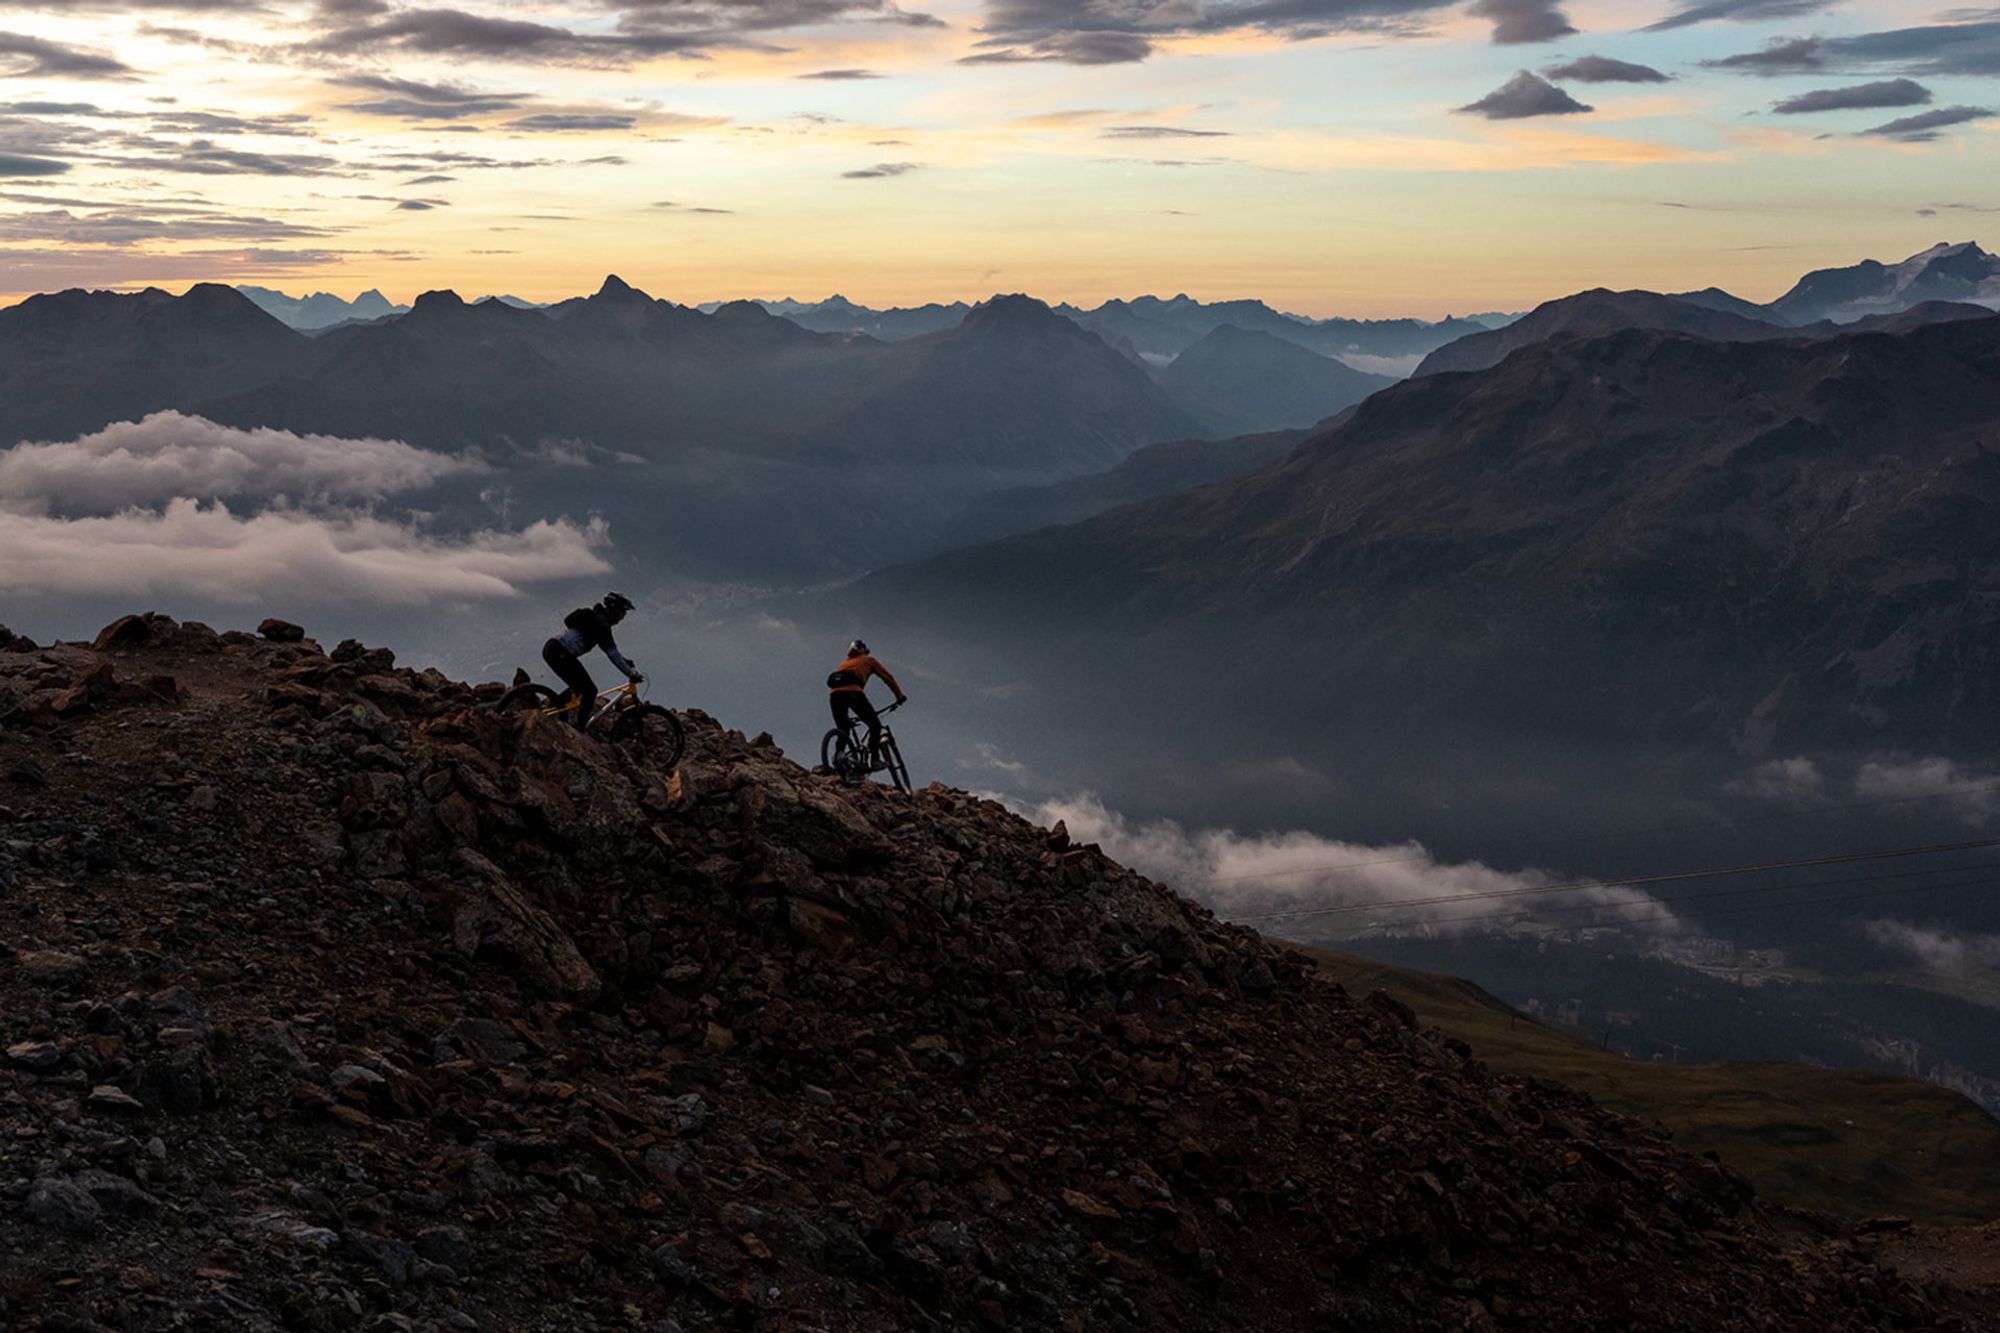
(889,680)
(618,658)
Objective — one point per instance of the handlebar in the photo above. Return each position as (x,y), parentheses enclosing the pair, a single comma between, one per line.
(894,706)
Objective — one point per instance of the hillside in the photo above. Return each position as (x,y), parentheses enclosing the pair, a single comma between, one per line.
(1241,382)
(1808,524)
(334,999)
(1848,1141)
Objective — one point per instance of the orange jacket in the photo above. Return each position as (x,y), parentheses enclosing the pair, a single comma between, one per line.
(861,668)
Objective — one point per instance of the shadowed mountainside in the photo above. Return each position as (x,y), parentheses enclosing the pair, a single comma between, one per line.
(423,1009)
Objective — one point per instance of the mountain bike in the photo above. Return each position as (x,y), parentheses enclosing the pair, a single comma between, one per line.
(845,751)
(619,713)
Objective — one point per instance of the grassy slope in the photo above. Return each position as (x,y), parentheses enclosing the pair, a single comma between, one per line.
(1847,1141)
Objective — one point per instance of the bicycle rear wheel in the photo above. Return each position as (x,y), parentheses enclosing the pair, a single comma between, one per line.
(654,732)
(892,760)
(529,698)
(840,752)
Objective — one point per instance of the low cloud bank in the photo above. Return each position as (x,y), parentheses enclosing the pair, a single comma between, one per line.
(1937,950)
(1971,795)
(169,456)
(1243,875)
(144,508)
(207,551)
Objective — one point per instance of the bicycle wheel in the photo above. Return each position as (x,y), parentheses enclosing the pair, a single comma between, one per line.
(844,756)
(651,730)
(527,699)
(892,760)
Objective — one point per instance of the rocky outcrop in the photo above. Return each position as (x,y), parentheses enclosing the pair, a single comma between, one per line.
(334,1000)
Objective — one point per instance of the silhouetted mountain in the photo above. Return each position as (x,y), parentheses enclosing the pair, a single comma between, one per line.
(741,433)
(1945,272)
(1157,469)
(1756,543)
(1162,329)
(1598,311)
(321,310)
(1015,388)
(1714,298)
(75,360)
(837,314)
(1240,382)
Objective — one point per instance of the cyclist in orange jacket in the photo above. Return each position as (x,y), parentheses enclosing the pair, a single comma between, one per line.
(847,692)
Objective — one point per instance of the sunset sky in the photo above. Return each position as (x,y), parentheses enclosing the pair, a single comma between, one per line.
(1362,157)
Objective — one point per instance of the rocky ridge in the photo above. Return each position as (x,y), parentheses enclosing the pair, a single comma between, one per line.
(332,999)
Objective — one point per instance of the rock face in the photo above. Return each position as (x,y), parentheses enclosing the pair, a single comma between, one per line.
(376,1009)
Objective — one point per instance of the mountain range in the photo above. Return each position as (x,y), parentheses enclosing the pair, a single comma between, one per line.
(1809,523)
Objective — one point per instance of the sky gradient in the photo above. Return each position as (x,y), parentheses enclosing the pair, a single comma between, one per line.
(1357,157)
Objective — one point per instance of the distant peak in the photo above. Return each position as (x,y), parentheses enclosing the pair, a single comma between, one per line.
(741,310)
(1015,311)
(616,288)
(443,299)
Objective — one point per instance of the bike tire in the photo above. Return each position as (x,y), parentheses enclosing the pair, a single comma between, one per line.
(526,699)
(848,760)
(892,759)
(652,730)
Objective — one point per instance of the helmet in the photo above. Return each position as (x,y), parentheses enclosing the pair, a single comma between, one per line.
(617,602)
(857,649)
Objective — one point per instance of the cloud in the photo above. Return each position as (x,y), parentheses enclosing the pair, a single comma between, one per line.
(1069,48)
(188,550)
(24,57)
(1791,55)
(1970,50)
(420,205)
(1124,31)
(1964,49)
(168,455)
(1247,874)
(1603,69)
(645,29)
(1925,127)
(1938,950)
(880,170)
(1891,92)
(205,157)
(14,165)
(561,121)
(409,99)
(1516,22)
(841,75)
(1159,132)
(122,226)
(1738,11)
(1791,781)
(1522,96)
(1974,797)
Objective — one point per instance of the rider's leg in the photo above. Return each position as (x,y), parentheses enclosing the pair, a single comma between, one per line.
(868,714)
(582,688)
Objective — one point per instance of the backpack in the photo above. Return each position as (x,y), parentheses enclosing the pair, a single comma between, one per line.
(845,680)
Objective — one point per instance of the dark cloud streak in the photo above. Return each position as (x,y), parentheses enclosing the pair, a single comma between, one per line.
(1523,96)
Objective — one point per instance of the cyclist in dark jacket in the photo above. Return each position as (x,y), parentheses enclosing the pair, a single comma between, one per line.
(586,628)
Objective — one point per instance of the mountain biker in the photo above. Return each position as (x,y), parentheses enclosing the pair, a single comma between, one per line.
(847,692)
(586,628)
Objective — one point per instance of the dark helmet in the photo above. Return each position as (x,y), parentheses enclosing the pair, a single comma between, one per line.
(857,649)
(617,603)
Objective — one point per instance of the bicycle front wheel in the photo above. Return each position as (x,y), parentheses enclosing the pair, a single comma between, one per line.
(654,732)
(892,760)
(529,698)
